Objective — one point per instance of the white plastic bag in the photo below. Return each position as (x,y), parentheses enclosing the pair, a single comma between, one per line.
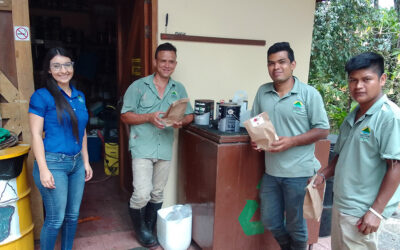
(174,227)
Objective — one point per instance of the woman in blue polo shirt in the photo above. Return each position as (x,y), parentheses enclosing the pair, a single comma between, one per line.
(62,163)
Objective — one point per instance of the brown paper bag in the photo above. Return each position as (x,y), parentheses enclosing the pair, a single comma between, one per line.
(312,207)
(175,112)
(261,130)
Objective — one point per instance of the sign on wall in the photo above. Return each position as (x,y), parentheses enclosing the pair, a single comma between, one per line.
(21,33)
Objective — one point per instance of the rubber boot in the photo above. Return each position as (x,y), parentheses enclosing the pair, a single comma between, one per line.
(284,242)
(143,234)
(285,246)
(298,245)
(151,215)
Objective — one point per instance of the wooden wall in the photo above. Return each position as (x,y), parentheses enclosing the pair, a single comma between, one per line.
(16,86)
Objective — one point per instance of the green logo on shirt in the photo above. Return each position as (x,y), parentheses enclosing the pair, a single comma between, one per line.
(298,107)
(365,134)
(80,99)
(366,131)
(298,104)
(173,93)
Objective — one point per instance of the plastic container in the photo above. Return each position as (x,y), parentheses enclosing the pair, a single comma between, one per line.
(111,161)
(174,227)
(15,211)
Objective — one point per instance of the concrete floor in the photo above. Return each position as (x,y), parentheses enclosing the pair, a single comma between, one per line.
(389,235)
(104,220)
(105,223)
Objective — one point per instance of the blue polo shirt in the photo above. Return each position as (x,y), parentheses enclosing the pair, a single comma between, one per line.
(59,138)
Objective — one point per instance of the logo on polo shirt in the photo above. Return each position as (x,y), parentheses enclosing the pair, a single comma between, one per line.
(80,98)
(365,134)
(298,107)
(298,104)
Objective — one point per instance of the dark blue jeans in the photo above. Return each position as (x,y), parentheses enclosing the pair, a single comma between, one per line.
(62,203)
(279,195)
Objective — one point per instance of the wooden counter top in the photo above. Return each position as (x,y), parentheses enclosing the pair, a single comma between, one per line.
(217,136)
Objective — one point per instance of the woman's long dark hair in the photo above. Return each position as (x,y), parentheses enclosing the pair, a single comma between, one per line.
(62,105)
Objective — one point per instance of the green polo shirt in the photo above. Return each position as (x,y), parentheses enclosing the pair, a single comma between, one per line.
(295,113)
(146,140)
(363,148)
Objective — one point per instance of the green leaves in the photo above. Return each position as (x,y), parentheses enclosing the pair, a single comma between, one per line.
(342,29)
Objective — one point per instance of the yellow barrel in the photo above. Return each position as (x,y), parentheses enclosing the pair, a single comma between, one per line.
(16,227)
(111,162)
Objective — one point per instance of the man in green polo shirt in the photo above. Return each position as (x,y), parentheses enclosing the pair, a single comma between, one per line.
(367,168)
(150,141)
(297,112)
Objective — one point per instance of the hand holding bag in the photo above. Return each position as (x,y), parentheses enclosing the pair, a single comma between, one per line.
(312,207)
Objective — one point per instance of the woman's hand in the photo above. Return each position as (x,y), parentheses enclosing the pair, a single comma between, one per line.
(88,172)
(46,178)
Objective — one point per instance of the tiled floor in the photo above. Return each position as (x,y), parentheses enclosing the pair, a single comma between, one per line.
(104,206)
(104,219)
(324,243)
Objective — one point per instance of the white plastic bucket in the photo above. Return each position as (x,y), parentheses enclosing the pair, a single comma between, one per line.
(173,234)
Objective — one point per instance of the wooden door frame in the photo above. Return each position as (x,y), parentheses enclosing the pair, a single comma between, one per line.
(125,52)
(16,88)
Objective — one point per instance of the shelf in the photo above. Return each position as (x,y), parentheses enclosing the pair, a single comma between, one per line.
(208,39)
(46,11)
(54,43)
(217,136)
(46,42)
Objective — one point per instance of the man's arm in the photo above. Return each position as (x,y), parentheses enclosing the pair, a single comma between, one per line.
(389,185)
(370,222)
(284,143)
(132,118)
(187,119)
(325,173)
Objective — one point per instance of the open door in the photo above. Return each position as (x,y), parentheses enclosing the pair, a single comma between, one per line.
(137,34)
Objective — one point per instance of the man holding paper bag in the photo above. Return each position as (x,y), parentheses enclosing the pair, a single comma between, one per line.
(367,165)
(297,112)
(151,137)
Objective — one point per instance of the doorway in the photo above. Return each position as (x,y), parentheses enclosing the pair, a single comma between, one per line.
(112,43)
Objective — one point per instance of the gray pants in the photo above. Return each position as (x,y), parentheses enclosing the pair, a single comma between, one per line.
(149,179)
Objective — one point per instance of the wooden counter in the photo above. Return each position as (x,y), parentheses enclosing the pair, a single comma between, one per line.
(219,175)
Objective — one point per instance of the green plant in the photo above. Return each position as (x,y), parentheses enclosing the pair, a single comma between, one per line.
(342,29)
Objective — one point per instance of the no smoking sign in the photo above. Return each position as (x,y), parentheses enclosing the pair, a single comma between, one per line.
(21,33)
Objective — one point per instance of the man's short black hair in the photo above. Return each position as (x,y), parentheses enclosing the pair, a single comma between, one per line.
(165,47)
(365,61)
(281,46)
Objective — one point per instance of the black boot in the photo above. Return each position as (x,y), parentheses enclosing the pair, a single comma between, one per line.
(143,234)
(298,245)
(284,242)
(285,246)
(151,215)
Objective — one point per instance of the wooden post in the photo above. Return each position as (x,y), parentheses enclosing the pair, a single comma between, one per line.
(16,84)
